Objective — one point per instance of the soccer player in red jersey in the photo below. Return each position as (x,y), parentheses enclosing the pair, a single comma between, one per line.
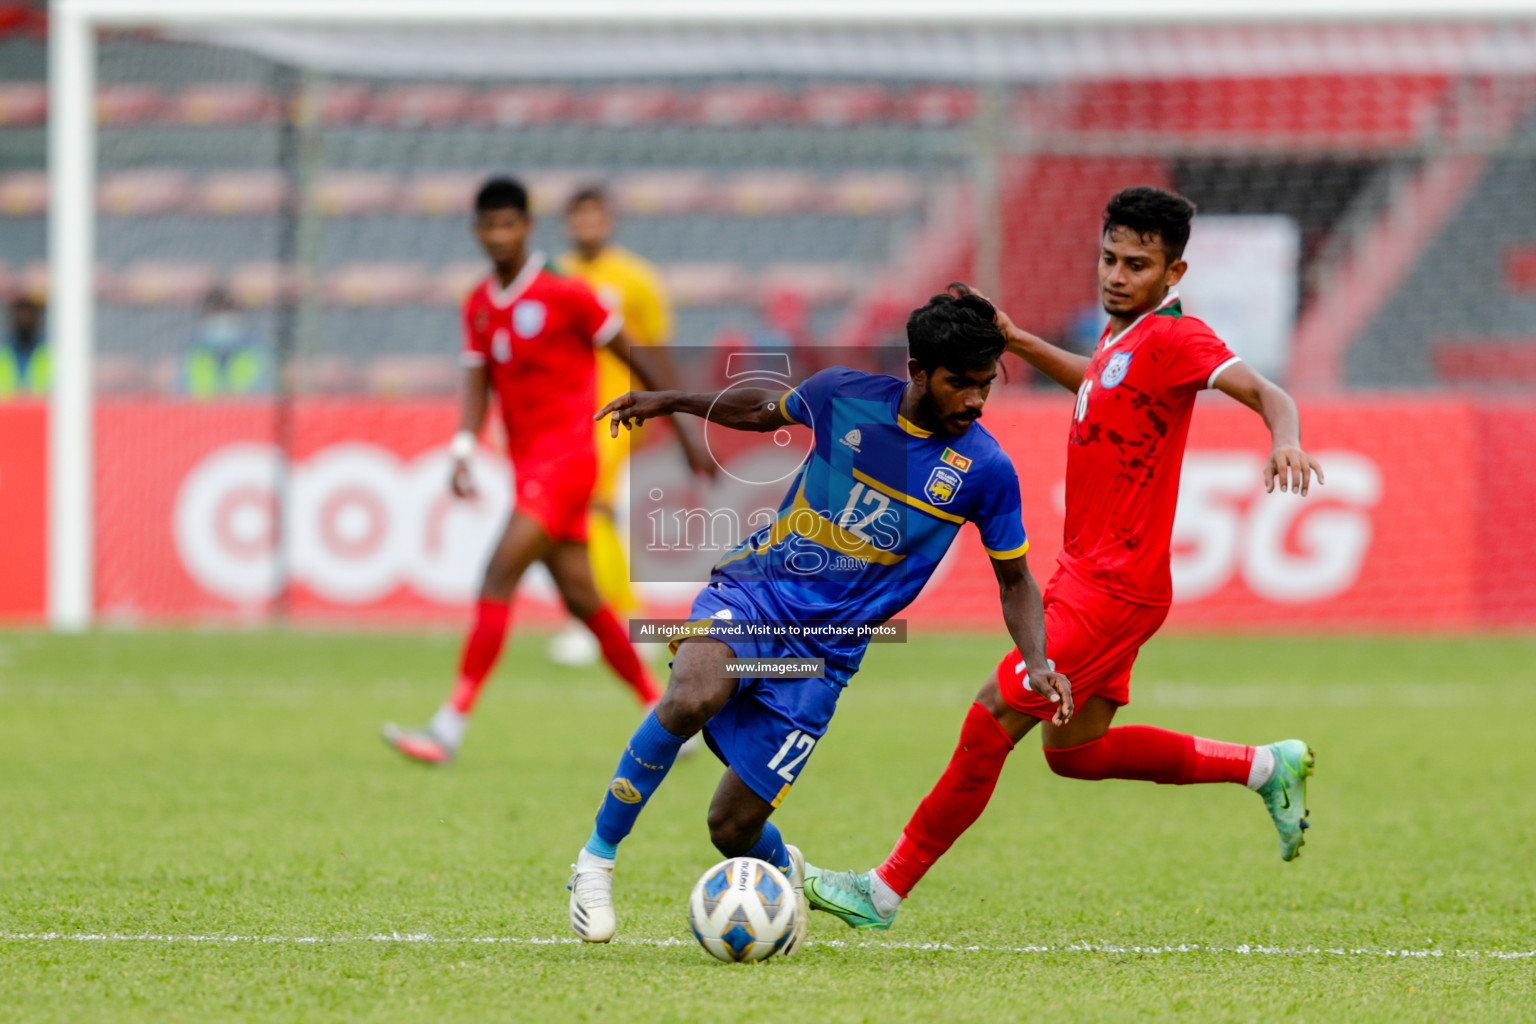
(531,334)
(1111,592)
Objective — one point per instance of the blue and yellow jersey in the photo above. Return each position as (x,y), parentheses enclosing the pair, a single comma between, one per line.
(872,510)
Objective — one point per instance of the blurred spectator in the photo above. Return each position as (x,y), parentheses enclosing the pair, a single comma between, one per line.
(224,356)
(24,363)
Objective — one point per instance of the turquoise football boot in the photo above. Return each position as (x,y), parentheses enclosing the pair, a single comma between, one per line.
(1285,794)
(846,896)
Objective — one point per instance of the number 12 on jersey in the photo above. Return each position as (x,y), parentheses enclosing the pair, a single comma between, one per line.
(799,743)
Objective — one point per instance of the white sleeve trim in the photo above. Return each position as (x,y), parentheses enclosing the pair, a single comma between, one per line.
(1211,382)
(472,358)
(609,330)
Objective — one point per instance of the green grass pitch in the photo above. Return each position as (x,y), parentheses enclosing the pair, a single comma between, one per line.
(232,787)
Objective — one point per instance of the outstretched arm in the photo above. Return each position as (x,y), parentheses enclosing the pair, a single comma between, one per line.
(756,409)
(1288,463)
(1063,367)
(1024,613)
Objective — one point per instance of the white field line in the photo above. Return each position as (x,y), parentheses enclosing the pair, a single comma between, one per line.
(1245,949)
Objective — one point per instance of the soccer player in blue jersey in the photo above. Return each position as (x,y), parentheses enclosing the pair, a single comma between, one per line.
(897,468)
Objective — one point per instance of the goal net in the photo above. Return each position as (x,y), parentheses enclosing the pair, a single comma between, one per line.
(279,241)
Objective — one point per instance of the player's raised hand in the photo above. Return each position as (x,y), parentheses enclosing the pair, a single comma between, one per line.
(462,480)
(631,409)
(1057,689)
(959,289)
(1292,468)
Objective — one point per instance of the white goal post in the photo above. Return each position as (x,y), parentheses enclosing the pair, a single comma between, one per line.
(72,142)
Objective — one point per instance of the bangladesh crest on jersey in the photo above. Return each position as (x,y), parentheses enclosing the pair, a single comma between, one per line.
(528,318)
(1114,370)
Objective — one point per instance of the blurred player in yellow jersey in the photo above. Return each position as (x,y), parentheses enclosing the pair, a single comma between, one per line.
(633,285)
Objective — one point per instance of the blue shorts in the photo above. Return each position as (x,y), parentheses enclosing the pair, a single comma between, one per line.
(768,729)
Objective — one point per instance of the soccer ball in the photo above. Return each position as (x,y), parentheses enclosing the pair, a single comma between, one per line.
(742,910)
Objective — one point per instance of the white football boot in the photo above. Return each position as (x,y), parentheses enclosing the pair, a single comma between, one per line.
(591,888)
(802,908)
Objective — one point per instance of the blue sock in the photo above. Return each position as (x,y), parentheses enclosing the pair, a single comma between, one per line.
(646,761)
(770,847)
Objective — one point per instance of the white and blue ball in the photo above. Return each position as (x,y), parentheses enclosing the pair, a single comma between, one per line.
(742,910)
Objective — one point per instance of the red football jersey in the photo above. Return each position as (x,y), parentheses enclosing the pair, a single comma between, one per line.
(1126,449)
(538,337)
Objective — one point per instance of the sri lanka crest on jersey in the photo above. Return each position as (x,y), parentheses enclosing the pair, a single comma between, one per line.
(943,484)
(528,318)
(1114,370)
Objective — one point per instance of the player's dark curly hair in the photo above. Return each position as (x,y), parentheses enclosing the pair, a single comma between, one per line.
(501,193)
(1152,211)
(959,333)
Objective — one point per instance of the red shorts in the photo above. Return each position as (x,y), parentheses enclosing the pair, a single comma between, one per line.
(1091,637)
(557,495)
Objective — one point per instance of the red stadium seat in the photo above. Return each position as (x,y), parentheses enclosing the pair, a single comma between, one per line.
(658,193)
(936,106)
(730,106)
(162,283)
(443,193)
(224,103)
(842,106)
(705,284)
(422,106)
(1345,110)
(771,193)
(240,194)
(452,283)
(143,193)
(354,193)
(128,104)
(342,104)
(263,283)
(24,194)
(1486,361)
(377,284)
(629,106)
(873,193)
(518,106)
(23,103)
(1520,268)
(816,283)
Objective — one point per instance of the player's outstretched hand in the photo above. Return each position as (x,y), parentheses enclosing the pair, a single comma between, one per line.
(633,408)
(1056,688)
(462,482)
(1293,469)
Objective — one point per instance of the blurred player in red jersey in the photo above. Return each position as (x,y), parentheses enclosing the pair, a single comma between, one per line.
(531,334)
(1111,592)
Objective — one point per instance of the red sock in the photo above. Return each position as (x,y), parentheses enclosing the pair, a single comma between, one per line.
(620,654)
(1153,755)
(481,649)
(955,802)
